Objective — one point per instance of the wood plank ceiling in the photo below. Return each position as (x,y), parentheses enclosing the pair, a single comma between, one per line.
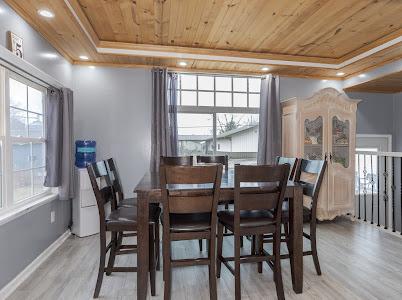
(308,38)
(391,84)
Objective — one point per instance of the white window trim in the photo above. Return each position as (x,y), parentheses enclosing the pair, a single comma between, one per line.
(11,209)
(213,110)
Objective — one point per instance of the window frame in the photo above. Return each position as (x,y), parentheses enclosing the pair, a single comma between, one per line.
(9,204)
(214,110)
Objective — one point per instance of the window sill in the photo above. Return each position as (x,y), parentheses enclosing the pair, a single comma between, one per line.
(15,213)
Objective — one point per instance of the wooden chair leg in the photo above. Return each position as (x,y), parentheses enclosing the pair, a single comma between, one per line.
(157,247)
(313,240)
(219,251)
(200,245)
(212,267)
(277,265)
(237,267)
(241,241)
(152,256)
(253,241)
(102,260)
(113,249)
(167,268)
(260,244)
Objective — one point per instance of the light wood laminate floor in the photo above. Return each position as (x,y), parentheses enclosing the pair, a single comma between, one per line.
(358,261)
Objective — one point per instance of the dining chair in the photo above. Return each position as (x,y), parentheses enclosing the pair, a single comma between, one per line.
(224,160)
(129,202)
(177,160)
(120,219)
(292,161)
(258,197)
(310,174)
(190,214)
(218,159)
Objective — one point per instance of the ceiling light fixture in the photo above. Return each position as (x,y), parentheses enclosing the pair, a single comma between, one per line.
(46,13)
(84,57)
(324,80)
(183,63)
(362,75)
(264,69)
(49,55)
(340,74)
(92,67)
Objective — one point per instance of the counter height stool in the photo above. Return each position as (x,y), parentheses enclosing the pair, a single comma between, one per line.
(258,197)
(120,219)
(190,197)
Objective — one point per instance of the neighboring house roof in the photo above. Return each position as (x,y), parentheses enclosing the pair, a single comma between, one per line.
(194,137)
(230,133)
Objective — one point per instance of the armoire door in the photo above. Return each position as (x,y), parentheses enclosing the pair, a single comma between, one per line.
(314,145)
(341,147)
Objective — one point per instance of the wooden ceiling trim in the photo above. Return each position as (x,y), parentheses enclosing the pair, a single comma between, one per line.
(120,48)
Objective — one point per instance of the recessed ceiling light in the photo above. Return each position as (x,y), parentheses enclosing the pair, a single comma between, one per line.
(183,63)
(1,10)
(46,13)
(340,74)
(264,69)
(92,67)
(84,57)
(49,55)
(362,75)
(324,80)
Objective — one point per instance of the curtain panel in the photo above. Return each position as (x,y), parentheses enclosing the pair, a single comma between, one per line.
(164,116)
(59,142)
(270,126)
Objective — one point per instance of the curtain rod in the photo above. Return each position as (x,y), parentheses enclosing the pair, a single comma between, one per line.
(26,69)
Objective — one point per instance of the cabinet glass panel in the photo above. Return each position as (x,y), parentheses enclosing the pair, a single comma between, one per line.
(313,146)
(340,141)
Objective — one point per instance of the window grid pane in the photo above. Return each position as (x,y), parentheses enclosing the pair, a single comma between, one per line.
(26,142)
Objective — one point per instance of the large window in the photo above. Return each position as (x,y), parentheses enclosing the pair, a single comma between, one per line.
(22,140)
(218,115)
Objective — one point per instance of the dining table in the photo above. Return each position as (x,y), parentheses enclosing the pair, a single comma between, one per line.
(148,191)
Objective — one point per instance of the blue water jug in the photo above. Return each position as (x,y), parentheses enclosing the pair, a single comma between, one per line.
(85,153)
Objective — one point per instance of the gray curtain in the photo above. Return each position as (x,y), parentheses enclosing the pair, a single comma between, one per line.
(54,137)
(270,131)
(164,116)
(59,142)
(66,189)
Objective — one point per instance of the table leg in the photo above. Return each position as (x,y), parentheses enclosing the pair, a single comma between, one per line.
(296,239)
(143,246)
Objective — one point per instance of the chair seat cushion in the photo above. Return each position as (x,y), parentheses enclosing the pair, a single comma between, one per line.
(122,219)
(285,213)
(129,202)
(252,218)
(189,222)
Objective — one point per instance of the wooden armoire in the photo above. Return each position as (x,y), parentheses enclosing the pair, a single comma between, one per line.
(324,127)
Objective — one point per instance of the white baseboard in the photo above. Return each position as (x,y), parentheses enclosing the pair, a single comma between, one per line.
(7,290)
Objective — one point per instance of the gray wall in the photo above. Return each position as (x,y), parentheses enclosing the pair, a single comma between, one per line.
(35,46)
(113,107)
(24,238)
(374,113)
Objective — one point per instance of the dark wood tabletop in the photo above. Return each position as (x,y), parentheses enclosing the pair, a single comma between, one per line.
(148,191)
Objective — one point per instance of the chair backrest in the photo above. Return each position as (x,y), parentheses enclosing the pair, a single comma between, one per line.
(218,159)
(260,188)
(177,160)
(190,189)
(292,161)
(314,169)
(102,187)
(114,177)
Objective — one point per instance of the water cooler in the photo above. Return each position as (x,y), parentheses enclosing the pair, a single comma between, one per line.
(85,210)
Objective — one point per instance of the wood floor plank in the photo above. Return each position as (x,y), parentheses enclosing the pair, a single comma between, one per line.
(359,261)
